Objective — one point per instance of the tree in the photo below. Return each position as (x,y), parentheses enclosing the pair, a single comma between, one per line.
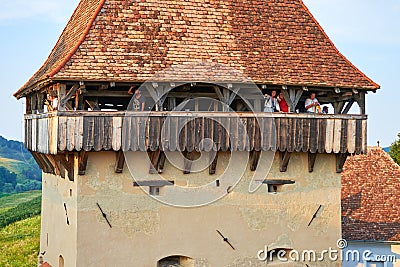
(395,150)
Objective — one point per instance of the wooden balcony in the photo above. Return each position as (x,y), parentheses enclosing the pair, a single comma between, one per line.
(67,131)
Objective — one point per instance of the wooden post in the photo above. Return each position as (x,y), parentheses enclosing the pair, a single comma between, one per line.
(120,161)
(61,91)
(311,161)
(284,161)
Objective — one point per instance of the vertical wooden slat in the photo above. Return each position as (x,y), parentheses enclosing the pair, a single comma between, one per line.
(329,136)
(343,137)
(306,134)
(337,135)
(313,139)
(116,133)
(70,134)
(108,133)
(322,135)
(88,133)
(299,135)
(143,126)
(62,133)
(359,136)
(364,135)
(351,136)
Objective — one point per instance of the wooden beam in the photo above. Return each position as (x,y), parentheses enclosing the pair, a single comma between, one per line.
(61,88)
(361,102)
(348,106)
(93,104)
(233,95)
(70,93)
(311,161)
(68,164)
(82,162)
(285,157)
(254,158)
(213,166)
(154,157)
(120,161)
(340,160)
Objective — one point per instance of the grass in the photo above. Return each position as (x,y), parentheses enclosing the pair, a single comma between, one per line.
(19,239)
(8,201)
(12,165)
(19,243)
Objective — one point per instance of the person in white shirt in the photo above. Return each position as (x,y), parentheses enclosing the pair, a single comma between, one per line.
(271,103)
(312,104)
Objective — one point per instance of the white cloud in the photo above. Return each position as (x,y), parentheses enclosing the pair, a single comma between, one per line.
(355,21)
(56,10)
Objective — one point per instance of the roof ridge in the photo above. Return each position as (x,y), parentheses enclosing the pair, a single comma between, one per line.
(334,46)
(80,41)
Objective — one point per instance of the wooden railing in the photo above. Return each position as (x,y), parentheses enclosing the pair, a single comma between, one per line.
(55,132)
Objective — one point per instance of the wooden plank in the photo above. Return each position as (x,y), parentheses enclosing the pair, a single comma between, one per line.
(359,136)
(70,133)
(351,136)
(321,135)
(78,133)
(88,133)
(33,136)
(364,135)
(62,133)
(143,133)
(257,134)
(343,137)
(182,133)
(242,134)
(299,135)
(108,133)
(306,134)
(98,133)
(116,133)
(234,133)
(337,135)
(283,134)
(329,136)
(313,141)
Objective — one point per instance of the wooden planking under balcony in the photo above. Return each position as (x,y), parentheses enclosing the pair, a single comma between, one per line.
(55,132)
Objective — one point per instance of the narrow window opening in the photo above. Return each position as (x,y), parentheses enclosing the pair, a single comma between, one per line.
(154,190)
(217,182)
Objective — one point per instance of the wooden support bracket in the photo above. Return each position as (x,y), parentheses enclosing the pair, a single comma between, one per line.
(67,161)
(213,165)
(82,162)
(254,158)
(187,164)
(70,93)
(340,160)
(285,157)
(311,161)
(120,161)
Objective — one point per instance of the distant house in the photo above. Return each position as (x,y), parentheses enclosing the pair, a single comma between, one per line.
(371,209)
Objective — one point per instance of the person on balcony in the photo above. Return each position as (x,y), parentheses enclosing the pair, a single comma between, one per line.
(283,106)
(51,102)
(138,101)
(271,103)
(325,110)
(312,105)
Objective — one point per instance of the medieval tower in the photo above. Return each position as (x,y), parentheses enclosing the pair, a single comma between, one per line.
(148,122)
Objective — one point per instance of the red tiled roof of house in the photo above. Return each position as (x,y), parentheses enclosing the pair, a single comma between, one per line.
(271,42)
(371,197)
(45,265)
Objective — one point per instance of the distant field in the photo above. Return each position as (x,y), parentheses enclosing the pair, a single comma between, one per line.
(12,165)
(19,238)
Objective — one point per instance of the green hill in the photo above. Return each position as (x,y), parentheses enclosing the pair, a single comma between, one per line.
(18,170)
(20,229)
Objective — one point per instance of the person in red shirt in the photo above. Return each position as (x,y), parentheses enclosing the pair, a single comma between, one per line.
(282,103)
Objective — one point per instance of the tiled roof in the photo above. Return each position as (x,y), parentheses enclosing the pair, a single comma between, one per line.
(371,197)
(272,42)
(45,265)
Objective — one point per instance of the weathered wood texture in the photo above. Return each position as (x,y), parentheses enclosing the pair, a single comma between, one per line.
(65,131)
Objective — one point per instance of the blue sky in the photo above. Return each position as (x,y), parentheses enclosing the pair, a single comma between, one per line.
(367,32)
